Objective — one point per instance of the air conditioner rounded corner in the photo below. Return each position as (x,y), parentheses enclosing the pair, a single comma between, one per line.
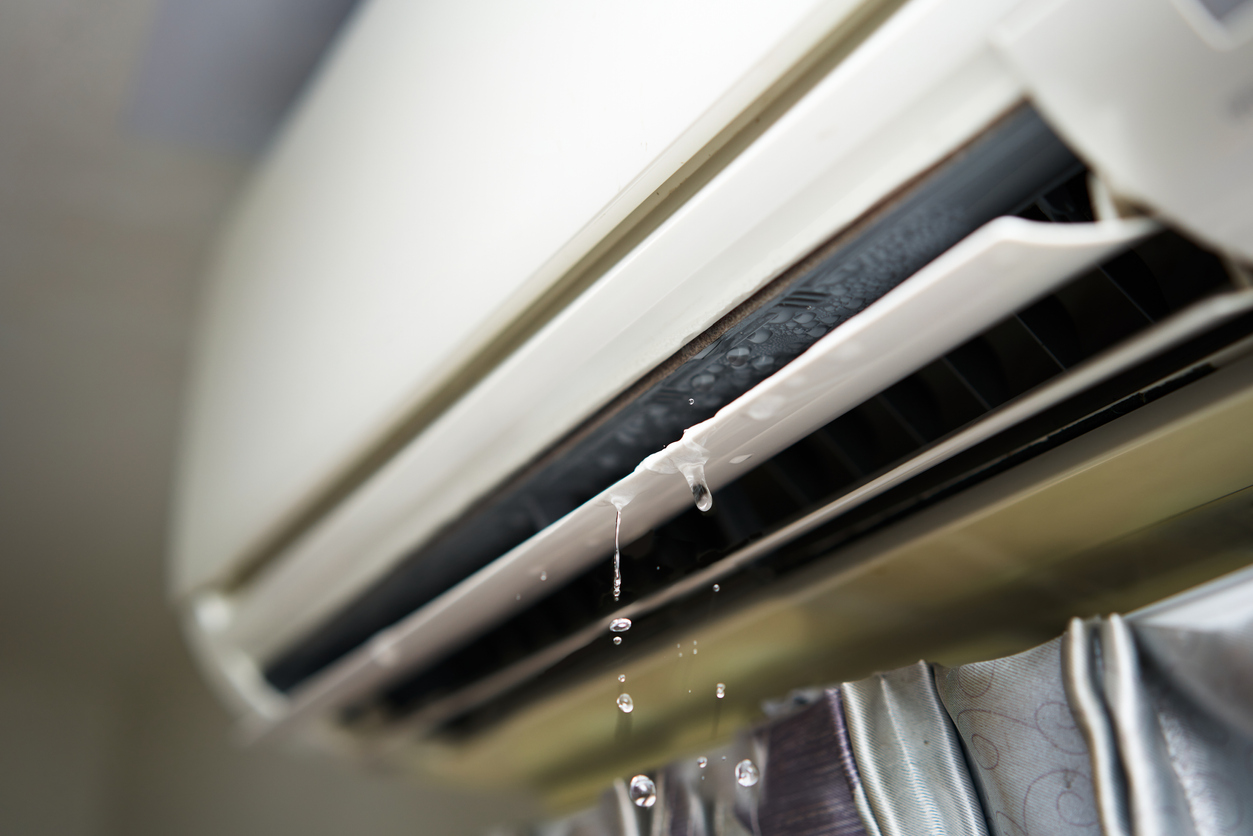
(1161,114)
(231,674)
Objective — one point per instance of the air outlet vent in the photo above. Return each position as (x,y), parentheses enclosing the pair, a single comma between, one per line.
(1004,171)
(1080,320)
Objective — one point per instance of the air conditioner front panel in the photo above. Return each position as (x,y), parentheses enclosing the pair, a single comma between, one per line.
(448,167)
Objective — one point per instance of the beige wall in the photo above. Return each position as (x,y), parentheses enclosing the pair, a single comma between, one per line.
(80,756)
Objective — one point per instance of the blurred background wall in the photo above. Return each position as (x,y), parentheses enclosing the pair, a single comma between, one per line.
(126,129)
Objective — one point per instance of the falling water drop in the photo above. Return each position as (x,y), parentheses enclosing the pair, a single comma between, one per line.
(643,791)
(717,588)
(622,677)
(702,761)
(721,690)
(746,773)
(620,625)
(617,639)
(543,576)
(704,499)
(691,401)
(625,705)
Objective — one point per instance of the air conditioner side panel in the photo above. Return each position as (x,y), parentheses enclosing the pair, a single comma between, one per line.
(1157,95)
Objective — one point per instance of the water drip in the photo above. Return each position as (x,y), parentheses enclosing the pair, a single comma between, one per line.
(686,456)
(643,791)
(704,499)
(619,501)
(617,554)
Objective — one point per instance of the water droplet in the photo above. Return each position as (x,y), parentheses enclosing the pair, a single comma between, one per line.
(622,677)
(643,791)
(737,357)
(695,651)
(617,639)
(543,576)
(625,705)
(760,336)
(746,774)
(691,401)
(721,690)
(620,625)
(704,499)
(702,761)
(717,588)
(703,382)
(741,459)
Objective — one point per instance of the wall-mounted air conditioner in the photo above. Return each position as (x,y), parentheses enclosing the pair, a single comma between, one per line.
(795,334)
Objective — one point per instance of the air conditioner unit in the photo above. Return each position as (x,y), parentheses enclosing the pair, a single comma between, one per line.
(806,338)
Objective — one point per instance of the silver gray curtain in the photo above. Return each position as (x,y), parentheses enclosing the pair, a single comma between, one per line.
(1125,726)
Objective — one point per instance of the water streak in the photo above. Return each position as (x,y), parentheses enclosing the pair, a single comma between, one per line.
(617,554)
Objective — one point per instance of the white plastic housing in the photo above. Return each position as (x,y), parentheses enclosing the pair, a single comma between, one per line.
(451,161)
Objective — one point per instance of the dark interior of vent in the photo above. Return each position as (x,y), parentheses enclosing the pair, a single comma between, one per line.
(1086,316)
